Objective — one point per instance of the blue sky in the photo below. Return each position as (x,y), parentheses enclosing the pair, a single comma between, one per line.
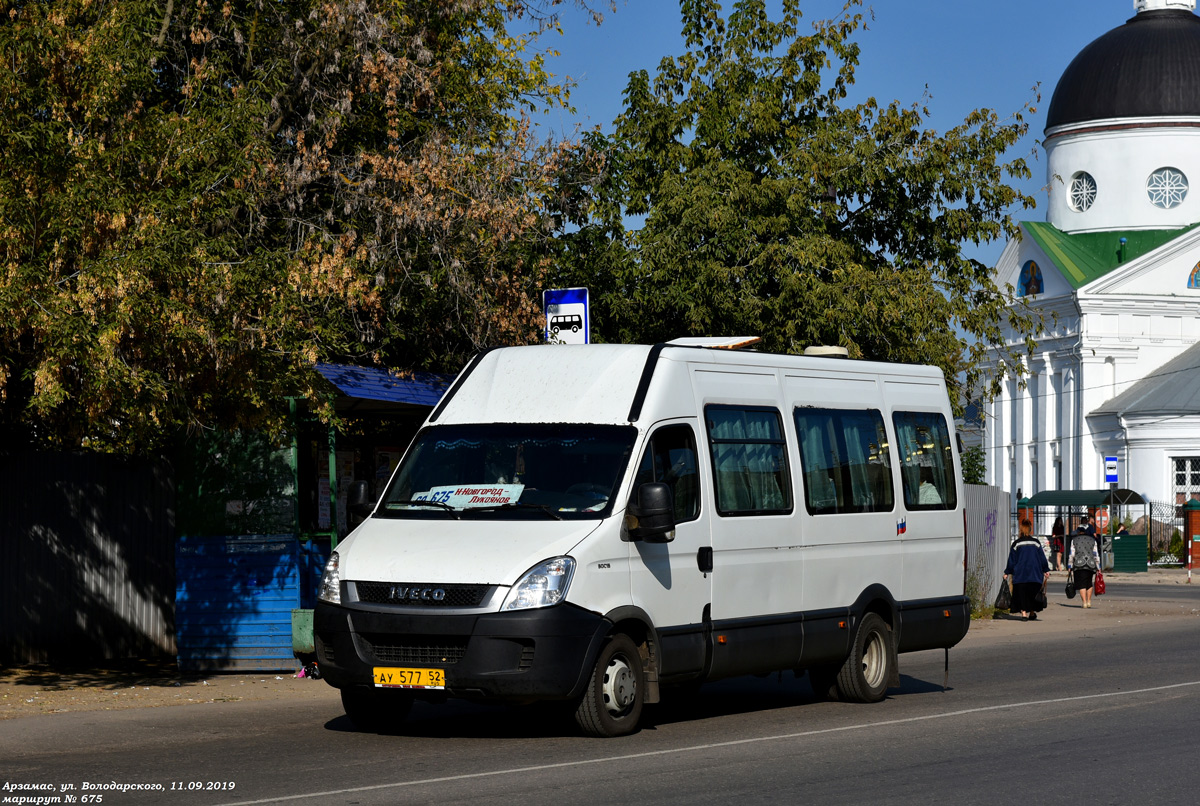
(969,53)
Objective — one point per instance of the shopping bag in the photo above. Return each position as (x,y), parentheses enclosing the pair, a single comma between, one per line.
(1099,586)
(1004,597)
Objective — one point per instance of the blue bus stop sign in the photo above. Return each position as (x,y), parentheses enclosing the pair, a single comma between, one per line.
(567,317)
(1110,470)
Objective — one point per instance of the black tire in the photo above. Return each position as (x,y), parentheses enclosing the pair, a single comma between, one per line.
(823,680)
(612,702)
(865,674)
(376,710)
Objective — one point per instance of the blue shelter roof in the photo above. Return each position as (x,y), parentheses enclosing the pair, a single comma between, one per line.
(422,389)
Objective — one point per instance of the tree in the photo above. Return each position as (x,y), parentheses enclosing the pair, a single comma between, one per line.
(202,199)
(974,466)
(772,209)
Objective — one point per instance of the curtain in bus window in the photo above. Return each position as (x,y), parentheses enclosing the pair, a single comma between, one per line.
(846,461)
(870,467)
(861,494)
(818,454)
(748,460)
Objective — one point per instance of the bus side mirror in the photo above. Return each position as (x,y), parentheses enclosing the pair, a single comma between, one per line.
(651,515)
(359,501)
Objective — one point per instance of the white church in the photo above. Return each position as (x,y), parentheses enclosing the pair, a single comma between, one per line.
(1118,262)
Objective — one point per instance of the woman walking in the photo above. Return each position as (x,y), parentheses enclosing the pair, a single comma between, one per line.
(1058,535)
(1083,562)
(1028,571)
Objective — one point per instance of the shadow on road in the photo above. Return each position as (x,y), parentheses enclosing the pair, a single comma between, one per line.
(742,695)
(115,674)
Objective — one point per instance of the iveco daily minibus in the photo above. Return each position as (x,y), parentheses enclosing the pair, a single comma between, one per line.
(593,523)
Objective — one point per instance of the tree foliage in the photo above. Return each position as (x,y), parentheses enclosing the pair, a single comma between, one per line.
(774,208)
(974,465)
(203,197)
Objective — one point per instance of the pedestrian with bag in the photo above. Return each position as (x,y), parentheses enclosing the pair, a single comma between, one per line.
(1029,572)
(1083,563)
(1058,535)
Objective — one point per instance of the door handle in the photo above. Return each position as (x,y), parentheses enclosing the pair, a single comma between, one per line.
(704,559)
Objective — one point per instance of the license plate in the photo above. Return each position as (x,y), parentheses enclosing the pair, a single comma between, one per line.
(393,677)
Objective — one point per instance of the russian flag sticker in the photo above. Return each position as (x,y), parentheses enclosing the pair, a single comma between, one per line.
(901,526)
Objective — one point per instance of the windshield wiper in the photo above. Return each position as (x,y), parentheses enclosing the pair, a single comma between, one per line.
(517,505)
(412,502)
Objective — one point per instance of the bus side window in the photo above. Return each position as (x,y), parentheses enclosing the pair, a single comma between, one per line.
(926,460)
(846,460)
(749,460)
(670,457)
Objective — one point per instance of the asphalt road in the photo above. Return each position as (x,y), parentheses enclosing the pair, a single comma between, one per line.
(1171,593)
(1092,706)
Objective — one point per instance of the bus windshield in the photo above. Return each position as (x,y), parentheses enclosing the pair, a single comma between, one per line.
(529,472)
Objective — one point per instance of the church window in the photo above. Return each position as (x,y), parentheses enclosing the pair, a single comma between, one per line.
(1083,191)
(1194,277)
(1030,281)
(1167,188)
(1187,479)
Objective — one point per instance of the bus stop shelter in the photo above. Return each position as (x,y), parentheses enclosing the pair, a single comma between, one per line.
(258,514)
(1120,552)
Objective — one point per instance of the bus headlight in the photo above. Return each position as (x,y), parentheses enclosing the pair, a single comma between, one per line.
(541,586)
(331,582)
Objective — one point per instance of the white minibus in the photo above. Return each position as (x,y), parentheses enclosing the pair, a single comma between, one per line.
(593,524)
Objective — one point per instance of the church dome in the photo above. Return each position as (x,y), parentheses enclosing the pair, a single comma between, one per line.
(1148,67)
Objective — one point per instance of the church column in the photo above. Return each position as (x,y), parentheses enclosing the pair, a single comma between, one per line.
(1070,441)
(1047,425)
(1037,421)
(1001,425)
(1025,437)
(1016,408)
(1054,426)
(1091,385)
(991,440)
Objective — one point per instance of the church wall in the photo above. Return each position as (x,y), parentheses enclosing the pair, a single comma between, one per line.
(1041,437)
(1121,163)
(1153,445)
(1146,337)
(1044,434)
(1025,446)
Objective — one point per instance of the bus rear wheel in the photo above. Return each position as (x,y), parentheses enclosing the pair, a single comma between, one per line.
(865,674)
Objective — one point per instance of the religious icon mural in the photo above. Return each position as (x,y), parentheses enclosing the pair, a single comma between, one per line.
(1031,279)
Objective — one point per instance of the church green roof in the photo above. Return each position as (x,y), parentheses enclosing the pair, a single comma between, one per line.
(1086,256)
